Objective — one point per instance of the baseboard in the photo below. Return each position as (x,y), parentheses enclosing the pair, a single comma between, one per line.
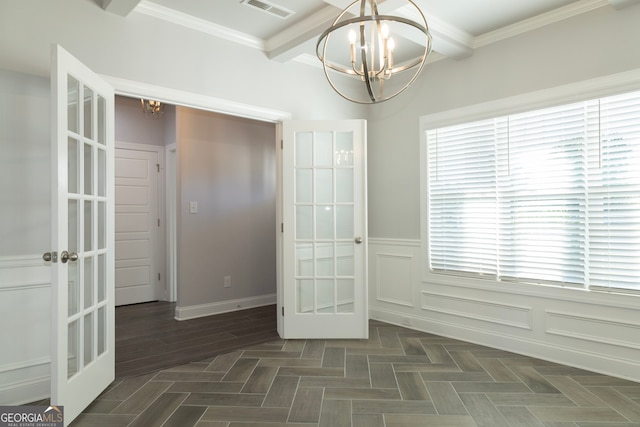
(201,310)
(25,382)
(578,358)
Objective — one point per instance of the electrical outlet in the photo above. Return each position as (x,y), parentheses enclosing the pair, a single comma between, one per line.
(227,281)
(405,321)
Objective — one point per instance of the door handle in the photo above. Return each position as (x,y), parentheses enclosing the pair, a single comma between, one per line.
(68,256)
(358,240)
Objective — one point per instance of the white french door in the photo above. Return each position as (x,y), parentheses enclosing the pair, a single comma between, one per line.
(83,354)
(324,230)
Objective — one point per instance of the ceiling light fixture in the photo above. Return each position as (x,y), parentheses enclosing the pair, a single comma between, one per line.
(152,109)
(372,55)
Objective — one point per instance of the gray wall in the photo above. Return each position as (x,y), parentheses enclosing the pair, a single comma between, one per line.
(598,43)
(597,331)
(133,126)
(25,164)
(227,165)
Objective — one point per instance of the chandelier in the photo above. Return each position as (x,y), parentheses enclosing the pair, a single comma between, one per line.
(152,109)
(372,58)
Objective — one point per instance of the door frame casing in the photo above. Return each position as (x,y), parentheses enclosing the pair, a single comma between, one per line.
(134,89)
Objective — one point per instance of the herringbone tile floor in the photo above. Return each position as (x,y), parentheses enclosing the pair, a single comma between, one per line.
(397,378)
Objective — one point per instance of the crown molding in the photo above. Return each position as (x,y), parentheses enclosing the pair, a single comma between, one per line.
(173,16)
(539,21)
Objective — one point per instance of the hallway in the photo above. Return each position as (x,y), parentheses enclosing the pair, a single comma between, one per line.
(148,338)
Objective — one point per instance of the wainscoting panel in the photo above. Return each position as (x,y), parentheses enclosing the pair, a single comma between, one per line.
(25,310)
(394,278)
(610,331)
(589,330)
(478,310)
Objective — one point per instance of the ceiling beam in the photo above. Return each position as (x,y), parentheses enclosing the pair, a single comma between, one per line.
(296,39)
(620,4)
(119,7)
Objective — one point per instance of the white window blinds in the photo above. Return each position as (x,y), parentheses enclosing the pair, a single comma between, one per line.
(550,196)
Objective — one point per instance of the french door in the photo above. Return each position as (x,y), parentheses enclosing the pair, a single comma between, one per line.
(324,229)
(82,260)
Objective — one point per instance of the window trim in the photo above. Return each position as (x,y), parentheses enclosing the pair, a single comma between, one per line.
(575,92)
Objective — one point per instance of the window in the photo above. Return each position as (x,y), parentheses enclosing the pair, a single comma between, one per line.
(546,196)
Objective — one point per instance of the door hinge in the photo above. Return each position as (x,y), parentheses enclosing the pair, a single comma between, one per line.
(283,311)
(158,276)
(158,166)
(158,222)
(282,144)
(282,227)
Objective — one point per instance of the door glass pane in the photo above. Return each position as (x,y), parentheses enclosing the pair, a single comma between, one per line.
(324,186)
(344,259)
(324,259)
(102,225)
(344,222)
(344,185)
(72,166)
(102,172)
(102,330)
(304,296)
(88,112)
(346,295)
(304,185)
(304,222)
(324,149)
(102,120)
(324,222)
(304,259)
(88,225)
(73,353)
(88,169)
(325,296)
(102,277)
(88,281)
(73,225)
(73,290)
(304,149)
(344,148)
(73,89)
(88,339)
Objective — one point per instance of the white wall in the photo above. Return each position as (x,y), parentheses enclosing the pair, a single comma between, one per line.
(592,330)
(145,49)
(25,234)
(227,165)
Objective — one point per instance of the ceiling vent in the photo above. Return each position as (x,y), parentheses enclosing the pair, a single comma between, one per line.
(270,8)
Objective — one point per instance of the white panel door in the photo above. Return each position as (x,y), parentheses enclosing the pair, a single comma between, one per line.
(83,354)
(137,226)
(324,229)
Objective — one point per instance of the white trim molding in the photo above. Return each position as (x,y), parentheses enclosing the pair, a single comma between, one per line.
(136,89)
(202,310)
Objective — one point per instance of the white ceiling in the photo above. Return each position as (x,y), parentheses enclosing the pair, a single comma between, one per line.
(457,26)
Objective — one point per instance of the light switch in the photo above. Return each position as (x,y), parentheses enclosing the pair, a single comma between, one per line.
(193,207)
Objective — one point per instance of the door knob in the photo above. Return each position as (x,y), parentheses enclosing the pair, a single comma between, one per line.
(68,256)
(358,240)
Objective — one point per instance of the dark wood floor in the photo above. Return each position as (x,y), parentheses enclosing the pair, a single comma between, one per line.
(148,338)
